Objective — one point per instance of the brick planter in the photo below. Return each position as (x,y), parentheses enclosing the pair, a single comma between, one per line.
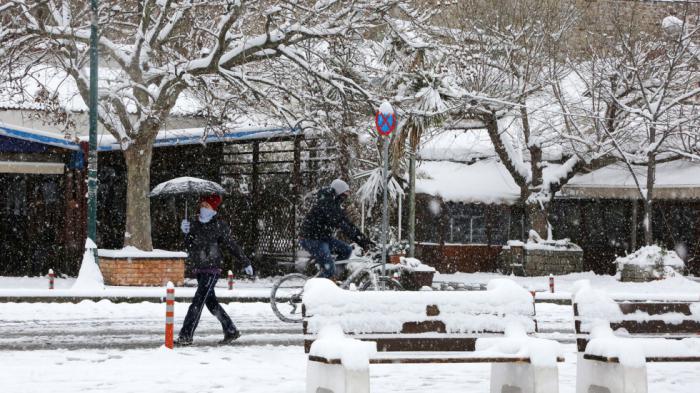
(142,269)
(415,280)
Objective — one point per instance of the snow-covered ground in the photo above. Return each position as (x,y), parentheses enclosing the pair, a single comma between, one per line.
(102,346)
(259,369)
(677,287)
(38,287)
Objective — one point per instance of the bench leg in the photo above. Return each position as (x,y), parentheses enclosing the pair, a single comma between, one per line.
(523,378)
(601,377)
(334,378)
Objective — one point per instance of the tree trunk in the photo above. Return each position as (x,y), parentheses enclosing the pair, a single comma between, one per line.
(648,199)
(537,218)
(412,204)
(138,205)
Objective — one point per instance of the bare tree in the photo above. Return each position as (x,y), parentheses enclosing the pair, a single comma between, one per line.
(155,50)
(653,87)
(508,53)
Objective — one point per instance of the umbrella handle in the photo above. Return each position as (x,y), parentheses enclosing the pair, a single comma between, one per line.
(185,209)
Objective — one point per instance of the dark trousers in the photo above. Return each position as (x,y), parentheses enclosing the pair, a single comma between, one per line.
(205,296)
(321,250)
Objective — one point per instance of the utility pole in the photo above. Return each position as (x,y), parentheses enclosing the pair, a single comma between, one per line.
(92,149)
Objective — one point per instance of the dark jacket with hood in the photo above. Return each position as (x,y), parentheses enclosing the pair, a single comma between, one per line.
(327,216)
(204,244)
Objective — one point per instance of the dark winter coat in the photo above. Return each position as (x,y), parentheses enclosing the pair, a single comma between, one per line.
(327,216)
(205,241)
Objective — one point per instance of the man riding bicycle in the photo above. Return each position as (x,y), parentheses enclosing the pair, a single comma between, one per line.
(320,224)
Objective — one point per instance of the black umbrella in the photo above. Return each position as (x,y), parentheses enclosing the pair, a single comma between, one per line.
(187,186)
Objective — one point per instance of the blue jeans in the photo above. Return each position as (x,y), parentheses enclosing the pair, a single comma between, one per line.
(321,251)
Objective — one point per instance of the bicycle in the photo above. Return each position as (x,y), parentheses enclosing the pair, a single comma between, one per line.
(365,275)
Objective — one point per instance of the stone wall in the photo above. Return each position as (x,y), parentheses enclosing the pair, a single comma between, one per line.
(142,271)
(546,262)
(540,262)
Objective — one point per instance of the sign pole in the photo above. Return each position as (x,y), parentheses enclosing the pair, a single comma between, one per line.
(385,121)
(385,207)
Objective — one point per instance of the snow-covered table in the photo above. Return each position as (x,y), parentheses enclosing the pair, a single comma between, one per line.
(616,338)
(489,326)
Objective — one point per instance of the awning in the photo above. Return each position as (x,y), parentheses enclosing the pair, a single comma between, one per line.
(34,168)
(37,137)
(194,136)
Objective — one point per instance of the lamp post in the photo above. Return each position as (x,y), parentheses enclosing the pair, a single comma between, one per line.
(92,149)
(385,120)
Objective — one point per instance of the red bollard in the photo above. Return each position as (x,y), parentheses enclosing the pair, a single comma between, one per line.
(52,276)
(169,315)
(551,283)
(230,280)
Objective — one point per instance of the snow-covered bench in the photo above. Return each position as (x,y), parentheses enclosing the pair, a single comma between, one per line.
(346,331)
(616,338)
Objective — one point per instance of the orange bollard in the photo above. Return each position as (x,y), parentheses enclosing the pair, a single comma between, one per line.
(230,280)
(169,315)
(52,276)
(551,283)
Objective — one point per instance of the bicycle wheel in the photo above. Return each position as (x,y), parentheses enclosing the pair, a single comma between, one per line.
(286,295)
(383,284)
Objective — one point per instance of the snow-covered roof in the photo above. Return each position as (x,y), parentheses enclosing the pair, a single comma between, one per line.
(485,181)
(488,181)
(193,136)
(467,145)
(43,137)
(457,145)
(674,180)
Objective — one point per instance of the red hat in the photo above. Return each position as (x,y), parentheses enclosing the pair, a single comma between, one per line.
(214,200)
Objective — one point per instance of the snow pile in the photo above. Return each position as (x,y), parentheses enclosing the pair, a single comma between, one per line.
(415,265)
(502,304)
(332,344)
(541,352)
(594,305)
(386,108)
(133,252)
(650,256)
(90,276)
(535,242)
(632,352)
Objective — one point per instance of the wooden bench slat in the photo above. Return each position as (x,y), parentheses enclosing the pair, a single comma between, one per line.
(657,326)
(615,359)
(655,308)
(415,344)
(433,357)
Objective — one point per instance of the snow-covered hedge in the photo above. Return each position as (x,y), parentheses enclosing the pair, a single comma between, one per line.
(648,263)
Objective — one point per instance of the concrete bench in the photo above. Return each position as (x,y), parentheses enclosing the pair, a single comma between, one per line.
(616,339)
(427,327)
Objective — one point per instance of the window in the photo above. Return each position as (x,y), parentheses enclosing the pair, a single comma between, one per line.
(467,229)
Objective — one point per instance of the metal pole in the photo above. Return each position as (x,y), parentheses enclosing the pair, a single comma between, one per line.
(412,204)
(400,198)
(362,221)
(92,151)
(385,208)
